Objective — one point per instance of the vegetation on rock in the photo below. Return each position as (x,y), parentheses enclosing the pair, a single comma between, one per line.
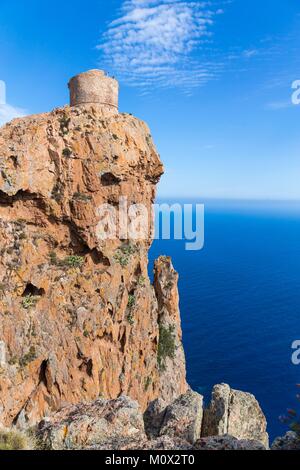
(13,440)
(166,345)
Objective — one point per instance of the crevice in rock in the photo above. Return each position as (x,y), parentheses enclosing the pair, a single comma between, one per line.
(87,366)
(138,270)
(79,246)
(99,258)
(30,289)
(123,342)
(42,375)
(109,179)
(22,195)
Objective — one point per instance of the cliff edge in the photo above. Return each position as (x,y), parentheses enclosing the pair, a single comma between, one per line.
(79,318)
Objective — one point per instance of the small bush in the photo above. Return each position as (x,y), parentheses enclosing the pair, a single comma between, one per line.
(71,261)
(130,318)
(29,301)
(141,281)
(28,358)
(124,254)
(130,305)
(166,345)
(13,440)
(122,259)
(74,261)
(131,301)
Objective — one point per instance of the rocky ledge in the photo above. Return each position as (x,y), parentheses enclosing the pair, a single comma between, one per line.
(120,425)
(79,316)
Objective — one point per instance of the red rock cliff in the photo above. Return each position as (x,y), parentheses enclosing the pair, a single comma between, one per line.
(79,317)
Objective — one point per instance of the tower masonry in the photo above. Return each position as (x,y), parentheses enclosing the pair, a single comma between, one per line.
(94,87)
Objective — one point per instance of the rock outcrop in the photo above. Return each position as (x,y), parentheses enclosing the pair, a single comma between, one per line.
(234,413)
(227,442)
(87,343)
(102,423)
(118,425)
(79,317)
(291,441)
(183,418)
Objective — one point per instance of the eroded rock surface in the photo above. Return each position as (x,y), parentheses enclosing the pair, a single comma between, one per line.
(183,418)
(103,423)
(79,317)
(118,425)
(227,442)
(234,413)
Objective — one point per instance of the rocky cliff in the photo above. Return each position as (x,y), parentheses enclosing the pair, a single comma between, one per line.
(90,350)
(79,318)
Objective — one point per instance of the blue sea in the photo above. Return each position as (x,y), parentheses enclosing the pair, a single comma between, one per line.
(240,302)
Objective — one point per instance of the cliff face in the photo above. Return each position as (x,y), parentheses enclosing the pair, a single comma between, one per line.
(79,318)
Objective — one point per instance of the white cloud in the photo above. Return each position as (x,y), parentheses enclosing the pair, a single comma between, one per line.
(250,53)
(8,112)
(151,43)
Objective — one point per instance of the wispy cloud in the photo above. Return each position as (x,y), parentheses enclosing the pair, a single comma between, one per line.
(152,43)
(250,53)
(8,112)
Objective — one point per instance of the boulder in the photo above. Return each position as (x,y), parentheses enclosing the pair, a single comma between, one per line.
(291,441)
(95,424)
(183,418)
(154,417)
(235,413)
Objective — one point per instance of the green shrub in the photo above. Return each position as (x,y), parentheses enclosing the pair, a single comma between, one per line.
(29,301)
(166,345)
(72,261)
(130,318)
(122,259)
(13,440)
(131,301)
(28,358)
(141,281)
(130,305)
(124,254)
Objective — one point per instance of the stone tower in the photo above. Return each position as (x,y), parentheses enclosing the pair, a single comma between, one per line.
(94,87)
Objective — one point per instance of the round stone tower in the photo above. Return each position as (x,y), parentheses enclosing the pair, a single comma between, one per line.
(94,87)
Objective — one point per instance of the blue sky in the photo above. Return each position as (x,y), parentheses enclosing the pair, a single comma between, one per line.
(212,79)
